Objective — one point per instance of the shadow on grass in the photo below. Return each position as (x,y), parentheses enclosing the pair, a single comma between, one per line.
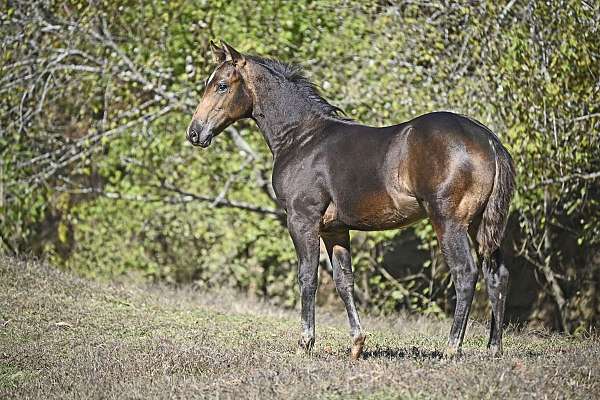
(403,353)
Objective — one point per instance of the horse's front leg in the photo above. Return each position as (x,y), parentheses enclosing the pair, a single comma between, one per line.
(305,235)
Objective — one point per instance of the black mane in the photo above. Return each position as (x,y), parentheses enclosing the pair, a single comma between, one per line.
(295,74)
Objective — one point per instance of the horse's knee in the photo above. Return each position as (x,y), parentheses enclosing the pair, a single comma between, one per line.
(465,289)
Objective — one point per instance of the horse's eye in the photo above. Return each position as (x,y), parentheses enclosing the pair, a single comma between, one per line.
(221,87)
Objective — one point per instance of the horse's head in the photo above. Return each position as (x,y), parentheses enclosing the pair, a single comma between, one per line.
(226,98)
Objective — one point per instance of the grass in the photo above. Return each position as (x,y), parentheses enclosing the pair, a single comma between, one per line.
(62,336)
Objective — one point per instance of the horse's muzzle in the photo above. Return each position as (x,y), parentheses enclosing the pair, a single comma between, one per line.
(198,135)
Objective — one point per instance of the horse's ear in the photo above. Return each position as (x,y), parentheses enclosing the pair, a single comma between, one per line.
(219,55)
(232,54)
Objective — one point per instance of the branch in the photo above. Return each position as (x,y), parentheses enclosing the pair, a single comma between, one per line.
(108,41)
(400,286)
(506,10)
(8,246)
(263,182)
(77,149)
(584,117)
(182,198)
(216,202)
(555,289)
(566,178)
(241,144)
(232,178)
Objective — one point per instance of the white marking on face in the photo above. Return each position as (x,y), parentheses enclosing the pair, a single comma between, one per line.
(212,76)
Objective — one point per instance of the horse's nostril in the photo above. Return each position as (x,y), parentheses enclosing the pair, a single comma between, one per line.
(193,136)
(194,132)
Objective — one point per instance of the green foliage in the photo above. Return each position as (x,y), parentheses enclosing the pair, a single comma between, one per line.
(96,98)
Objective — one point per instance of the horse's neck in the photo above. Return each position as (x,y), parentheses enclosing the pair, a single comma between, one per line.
(284,134)
(286,119)
(278,131)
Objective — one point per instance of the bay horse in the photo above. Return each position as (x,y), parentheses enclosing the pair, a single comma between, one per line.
(331,175)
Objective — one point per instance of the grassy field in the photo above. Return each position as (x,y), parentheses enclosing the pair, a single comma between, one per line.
(61,336)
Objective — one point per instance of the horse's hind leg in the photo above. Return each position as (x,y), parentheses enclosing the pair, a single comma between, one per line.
(338,249)
(454,244)
(496,277)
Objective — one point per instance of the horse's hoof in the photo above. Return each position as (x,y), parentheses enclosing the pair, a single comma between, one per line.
(357,347)
(452,352)
(305,345)
(495,350)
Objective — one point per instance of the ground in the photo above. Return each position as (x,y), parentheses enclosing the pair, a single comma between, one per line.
(63,336)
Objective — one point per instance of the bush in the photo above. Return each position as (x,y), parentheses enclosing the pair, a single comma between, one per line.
(97,176)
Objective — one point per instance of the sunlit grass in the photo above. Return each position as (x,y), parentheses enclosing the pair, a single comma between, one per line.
(61,336)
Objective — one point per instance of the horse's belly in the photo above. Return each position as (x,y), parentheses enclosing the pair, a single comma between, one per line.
(373,211)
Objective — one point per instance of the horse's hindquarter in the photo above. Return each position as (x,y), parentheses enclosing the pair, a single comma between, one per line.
(449,163)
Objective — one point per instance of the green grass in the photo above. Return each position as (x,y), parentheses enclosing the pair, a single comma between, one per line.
(62,336)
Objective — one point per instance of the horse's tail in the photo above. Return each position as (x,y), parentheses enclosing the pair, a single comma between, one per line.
(495,216)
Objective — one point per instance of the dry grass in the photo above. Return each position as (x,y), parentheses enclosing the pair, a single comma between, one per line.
(61,336)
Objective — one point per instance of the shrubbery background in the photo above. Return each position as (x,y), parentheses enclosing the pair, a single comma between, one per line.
(96,173)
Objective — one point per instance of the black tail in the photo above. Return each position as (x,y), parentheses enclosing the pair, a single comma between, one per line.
(495,215)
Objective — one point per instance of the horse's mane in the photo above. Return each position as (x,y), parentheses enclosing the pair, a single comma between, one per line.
(295,74)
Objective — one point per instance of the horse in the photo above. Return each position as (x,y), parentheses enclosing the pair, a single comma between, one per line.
(332,174)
